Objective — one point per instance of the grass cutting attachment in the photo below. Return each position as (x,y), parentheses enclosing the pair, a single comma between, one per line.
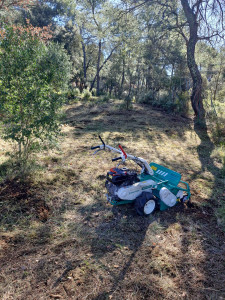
(155,186)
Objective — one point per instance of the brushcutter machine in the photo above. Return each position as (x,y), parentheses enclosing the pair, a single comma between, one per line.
(155,186)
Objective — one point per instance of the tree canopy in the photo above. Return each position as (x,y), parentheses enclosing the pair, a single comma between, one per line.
(147,49)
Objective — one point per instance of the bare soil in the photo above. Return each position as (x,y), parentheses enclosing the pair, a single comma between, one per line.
(60,239)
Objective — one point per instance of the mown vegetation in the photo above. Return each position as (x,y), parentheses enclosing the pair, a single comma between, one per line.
(149,75)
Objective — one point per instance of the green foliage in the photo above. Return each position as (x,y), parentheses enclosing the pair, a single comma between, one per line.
(182,103)
(146,97)
(73,94)
(128,102)
(33,78)
(218,131)
(104,98)
(86,94)
(94,92)
(76,92)
(178,103)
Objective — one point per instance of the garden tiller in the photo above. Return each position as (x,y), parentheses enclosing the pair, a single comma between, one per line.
(155,186)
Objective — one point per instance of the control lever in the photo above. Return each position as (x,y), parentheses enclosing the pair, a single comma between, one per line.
(124,153)
(102,141)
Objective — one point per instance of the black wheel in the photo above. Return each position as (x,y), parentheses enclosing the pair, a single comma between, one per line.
(145,204)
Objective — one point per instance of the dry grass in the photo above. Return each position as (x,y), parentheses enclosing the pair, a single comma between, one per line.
(60,239)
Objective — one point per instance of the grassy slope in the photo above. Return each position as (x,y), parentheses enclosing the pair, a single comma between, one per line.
(61,240)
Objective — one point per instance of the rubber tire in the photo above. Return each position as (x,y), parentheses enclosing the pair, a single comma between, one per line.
(140,202)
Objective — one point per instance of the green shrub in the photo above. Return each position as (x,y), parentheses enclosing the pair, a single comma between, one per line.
(33,80)
(94,92)
(76,92)
(104,98)
(182,103)
(146,98)
(165,101)
(73,94)
(86,94)
(218,131)
(128,102)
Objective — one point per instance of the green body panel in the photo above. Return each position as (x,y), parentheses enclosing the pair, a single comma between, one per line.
(114,202)
(162,173)
(163,206)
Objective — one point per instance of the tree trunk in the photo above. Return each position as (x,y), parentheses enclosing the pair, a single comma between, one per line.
(217,81)
(111,87)
(84,61)
(138,77)
(130,85)
(123,77)
(98,67)
(196,97)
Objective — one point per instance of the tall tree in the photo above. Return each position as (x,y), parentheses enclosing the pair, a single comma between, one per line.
(203,21)
(194,20)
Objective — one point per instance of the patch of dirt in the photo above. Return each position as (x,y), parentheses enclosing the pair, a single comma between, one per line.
(24,199)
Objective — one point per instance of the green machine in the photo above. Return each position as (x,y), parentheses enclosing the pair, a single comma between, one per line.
(156,187)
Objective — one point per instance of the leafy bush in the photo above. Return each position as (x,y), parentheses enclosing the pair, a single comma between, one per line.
(218,131)
(128,102)
(182,103)
(146,98)
(165,101)
(104,98)
(86,94)
(33,78)
(73,93)
(76,92)
(94,92)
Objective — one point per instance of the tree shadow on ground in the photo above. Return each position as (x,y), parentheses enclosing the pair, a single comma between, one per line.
(124,243)
(114,119)
(214,238)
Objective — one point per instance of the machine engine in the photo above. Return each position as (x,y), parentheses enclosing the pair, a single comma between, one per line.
(118,178)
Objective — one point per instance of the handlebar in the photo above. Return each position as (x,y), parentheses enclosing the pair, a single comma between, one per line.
(117,158)
(123,155)
(95,147)
(103,144)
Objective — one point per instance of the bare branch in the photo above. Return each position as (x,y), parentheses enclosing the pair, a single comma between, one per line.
(221,11)
(207,38)
(93,12)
